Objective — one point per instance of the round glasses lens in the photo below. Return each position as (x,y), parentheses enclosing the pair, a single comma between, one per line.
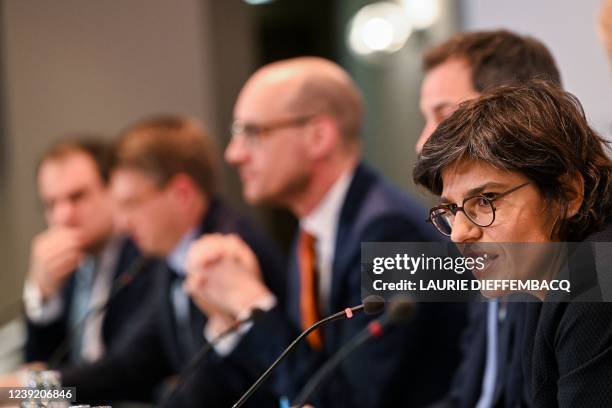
(479,210)
(441,218)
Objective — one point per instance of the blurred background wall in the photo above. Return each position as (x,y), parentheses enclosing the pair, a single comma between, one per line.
(568,29)
(95,66)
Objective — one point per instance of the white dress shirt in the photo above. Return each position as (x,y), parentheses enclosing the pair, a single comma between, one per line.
(322,224)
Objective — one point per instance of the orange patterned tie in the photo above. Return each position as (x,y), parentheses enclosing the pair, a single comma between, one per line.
(309,308)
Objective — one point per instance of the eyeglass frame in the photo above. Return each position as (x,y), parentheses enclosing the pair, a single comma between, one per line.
(239,128)
(456,209)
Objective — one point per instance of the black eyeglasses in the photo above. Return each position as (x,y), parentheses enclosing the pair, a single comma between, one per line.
(479,209)
(252,132)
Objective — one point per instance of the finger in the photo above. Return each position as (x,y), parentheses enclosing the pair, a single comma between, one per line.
(206,249)
(56,246)
(195,283)
(62,266)
(198,260)
(59,257)
(212,248)
(65,234)
(241,249)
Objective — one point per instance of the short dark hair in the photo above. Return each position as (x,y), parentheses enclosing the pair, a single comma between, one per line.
(165,145)
(92,145)
(496,58)
(534,129)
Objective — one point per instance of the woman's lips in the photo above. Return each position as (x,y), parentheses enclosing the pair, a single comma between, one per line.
(489,265)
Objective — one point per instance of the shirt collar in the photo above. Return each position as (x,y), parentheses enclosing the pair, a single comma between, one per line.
(178,257)
(327,212)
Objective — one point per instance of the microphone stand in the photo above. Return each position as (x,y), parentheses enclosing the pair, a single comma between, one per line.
(372,304)
(400,310)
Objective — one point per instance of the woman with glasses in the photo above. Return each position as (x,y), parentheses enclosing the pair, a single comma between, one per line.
(521,165)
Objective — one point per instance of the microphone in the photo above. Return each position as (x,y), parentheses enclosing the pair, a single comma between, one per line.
(120,283)
(255,314)
(371,305)
(401,309)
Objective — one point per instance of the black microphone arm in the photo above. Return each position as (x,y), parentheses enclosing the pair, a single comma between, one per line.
(255,314)
(120,283)
(371,305)
(400,310)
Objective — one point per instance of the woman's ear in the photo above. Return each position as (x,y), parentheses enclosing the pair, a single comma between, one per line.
(574,192)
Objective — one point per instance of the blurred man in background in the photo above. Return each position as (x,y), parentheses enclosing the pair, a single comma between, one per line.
(75,263)
(605,27)
(466,65)
(164,187)
(297,144)
(458,70)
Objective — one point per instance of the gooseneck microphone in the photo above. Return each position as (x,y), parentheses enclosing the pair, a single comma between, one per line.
(402,309)
(371,305)
(120,283)
(255,314)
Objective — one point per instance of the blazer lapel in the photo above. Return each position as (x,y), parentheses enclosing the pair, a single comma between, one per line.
(293,286)
(346,246)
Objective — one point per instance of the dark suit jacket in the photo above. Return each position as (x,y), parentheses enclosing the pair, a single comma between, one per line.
(410,365)
(568,352)
(43,340)
(510,390)
(155,351)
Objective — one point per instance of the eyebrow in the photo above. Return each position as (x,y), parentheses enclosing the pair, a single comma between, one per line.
(477,190)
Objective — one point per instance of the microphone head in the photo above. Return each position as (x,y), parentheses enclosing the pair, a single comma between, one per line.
(401,309)
(373,304)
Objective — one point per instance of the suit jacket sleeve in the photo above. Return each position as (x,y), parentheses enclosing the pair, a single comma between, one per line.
(421,352)
(130,370)
(43,340)
(582,347)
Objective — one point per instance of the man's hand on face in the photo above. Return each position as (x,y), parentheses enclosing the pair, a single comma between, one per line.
(54,255)
(223,276)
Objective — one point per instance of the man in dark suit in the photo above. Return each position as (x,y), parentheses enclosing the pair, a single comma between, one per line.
(77,260)
(296,143)
(163,185)
(458,70)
